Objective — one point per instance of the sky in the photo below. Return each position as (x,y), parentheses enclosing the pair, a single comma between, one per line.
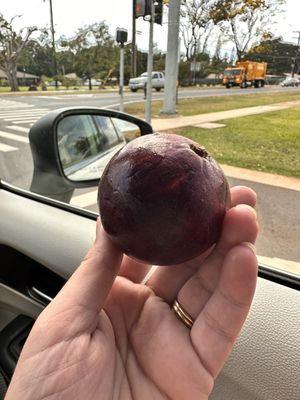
(72,14)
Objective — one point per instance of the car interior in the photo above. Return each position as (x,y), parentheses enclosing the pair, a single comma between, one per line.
(44,236)
(43,240)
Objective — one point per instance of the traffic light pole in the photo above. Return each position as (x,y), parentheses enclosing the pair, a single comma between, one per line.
(172,58)
(121,77)
(133,42)
(121,38)
(148,107)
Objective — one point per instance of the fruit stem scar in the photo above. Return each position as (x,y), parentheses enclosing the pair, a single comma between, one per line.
(199,150)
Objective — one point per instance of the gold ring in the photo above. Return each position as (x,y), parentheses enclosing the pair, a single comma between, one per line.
(183,315)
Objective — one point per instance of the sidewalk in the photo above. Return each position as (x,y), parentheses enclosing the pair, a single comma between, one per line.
(165,124)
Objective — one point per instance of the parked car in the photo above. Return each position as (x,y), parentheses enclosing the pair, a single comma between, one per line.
(290,81)
(158,81)
(94,82)
(32,87)
(52,83)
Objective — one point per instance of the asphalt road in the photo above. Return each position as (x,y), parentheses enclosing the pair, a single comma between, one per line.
(278,209)
(111,99)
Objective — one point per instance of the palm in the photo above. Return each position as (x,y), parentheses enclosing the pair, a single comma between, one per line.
(125,342)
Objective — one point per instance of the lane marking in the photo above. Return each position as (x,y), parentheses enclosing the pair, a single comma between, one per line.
(12,136)
(85,200)
(24,109)
(23,118)
(23,113)
(24,122)
(15,107)
(6,148)
(17,128)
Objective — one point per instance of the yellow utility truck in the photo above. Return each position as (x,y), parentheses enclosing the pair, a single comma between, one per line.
(245,73)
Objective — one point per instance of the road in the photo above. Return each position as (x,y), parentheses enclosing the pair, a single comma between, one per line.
(111,99)
(278,209)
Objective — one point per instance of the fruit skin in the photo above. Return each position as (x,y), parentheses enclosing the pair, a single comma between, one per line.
(162,199)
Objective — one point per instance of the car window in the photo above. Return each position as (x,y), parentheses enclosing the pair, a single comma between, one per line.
(238,96)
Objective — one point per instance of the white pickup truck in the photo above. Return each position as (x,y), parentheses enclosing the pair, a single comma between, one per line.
(158,81)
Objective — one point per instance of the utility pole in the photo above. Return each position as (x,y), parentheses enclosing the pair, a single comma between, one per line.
(172,58)
(148,107)
(297,54)
(133,42)
(53,44)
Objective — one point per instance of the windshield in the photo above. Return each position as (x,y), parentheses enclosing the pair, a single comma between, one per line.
(232,72)
(251,128)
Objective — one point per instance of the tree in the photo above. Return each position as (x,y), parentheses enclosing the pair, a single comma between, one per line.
(244,22)
(95,51)
(195,26)
(278,54)
(12,45)
(37,56)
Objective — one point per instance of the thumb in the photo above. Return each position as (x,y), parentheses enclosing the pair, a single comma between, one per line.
(92,281)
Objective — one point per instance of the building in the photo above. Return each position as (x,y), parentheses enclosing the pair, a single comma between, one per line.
(24,79)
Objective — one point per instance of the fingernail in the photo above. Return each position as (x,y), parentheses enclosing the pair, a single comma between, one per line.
(250,246)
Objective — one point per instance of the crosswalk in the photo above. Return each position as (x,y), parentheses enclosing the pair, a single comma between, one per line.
(16,118)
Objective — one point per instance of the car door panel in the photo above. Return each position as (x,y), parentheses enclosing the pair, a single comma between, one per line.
(265,363)
(51,236)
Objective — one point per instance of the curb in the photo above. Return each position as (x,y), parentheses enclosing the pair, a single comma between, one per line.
(265,178)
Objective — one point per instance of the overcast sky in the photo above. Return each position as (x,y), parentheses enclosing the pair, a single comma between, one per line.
(71,14)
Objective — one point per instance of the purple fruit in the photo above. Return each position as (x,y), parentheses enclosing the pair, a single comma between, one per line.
(162,199)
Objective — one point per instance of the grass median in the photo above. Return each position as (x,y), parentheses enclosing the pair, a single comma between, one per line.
(194,106)
(267,142)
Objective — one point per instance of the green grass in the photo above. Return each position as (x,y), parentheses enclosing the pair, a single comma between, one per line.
(267,142)
(204,105)
(5,89)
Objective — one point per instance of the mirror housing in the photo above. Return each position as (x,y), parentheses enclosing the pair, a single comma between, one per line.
(49,178)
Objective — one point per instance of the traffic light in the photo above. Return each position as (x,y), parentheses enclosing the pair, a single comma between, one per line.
(142,8)
(158,11)
(121,36)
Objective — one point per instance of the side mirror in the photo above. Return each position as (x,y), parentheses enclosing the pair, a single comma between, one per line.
(71,147)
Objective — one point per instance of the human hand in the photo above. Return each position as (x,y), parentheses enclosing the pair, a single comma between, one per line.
(107,336)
